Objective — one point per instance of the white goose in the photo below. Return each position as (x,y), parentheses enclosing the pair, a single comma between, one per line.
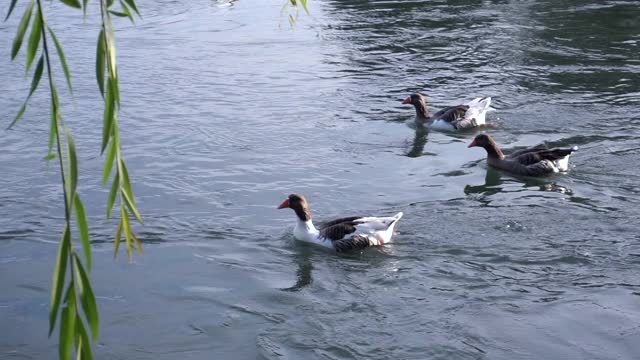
(459,117)
(349,233)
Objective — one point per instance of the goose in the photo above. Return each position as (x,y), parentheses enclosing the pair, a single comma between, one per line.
(344,234)
(460,117)
(534,161)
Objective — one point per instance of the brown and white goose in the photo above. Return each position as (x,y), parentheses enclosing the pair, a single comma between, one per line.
(535,161)
(459,117)
(349,233)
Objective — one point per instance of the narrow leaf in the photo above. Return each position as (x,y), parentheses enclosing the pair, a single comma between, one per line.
(34,84)
(304,5)
(22,28)
(131,206)
(127,231)
(19,115)
(67,323)
(49,157)
(73,163)
(84,340)
(55,116)
(126,10)
(116,89)
(109,114)
(36,76)
(138,245)
(84,7)
(100,61)
(132,4)
(108,162)
(117,240)
(72,3)
(87,299)
(13,4)
(59,272)
(83,229)
(118,13)
(109,3)
(111,47)
(34,39)
(63,59)
(125,181)
(112,194)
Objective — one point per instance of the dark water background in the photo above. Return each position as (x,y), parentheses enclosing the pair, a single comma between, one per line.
(224,114)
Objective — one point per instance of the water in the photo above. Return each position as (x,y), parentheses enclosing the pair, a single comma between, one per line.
(225,113)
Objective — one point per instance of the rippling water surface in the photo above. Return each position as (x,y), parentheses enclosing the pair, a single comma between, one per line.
(224,114)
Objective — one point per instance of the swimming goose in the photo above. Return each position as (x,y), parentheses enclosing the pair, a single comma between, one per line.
(349,233)
(535,161)
(459,117)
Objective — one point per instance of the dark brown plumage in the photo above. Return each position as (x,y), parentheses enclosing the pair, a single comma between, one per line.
(456,116)
(535,161)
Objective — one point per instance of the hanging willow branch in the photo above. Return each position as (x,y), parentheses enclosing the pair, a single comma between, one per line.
(78,303)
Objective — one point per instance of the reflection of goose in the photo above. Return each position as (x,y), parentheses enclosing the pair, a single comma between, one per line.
(355,232)
(459,117)
(303,274)
(419,141)
(535,161)
(491,184)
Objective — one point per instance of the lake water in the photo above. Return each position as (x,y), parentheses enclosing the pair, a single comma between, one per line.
(224,113)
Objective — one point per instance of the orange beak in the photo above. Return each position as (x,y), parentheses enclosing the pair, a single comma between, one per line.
(407,100)
(285,204)
(473,143)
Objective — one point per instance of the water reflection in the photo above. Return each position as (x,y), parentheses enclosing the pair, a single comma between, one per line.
(304,267)
(418,143)
(495,180)
(490,186)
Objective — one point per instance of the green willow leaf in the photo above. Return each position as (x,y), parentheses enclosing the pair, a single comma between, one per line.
(72,3)
(111,47)
(126,226)
(67,323)
(59,272)
(109,3)
(22,28)
(132,4)
(131,205)
(116,90)
(49,157)
(13,4)
(125,181)
(19,115)
(36,76)
(72,158)
(125,9)
(100,61)
(55,116)
(87,298)
(63,59)
(138,245)
(112,194)
(109,114)
(34,39)
(84,340)
(118,13)
(304,5)
(84,7)
(83,229)
(118,238)
(108,162)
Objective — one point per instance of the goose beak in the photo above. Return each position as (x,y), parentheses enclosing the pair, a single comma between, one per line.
(285,204)
(473,143)
(407,100)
